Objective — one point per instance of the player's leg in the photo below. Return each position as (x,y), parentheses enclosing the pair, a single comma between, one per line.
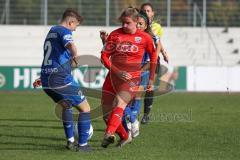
(132,111)
(127,115)
(136,105)
(65,113)
(115,120)
(84,124)
(68,122)
(148,100)
(78,100)
(135,111)
(124,94)
(73,97)
(108,96)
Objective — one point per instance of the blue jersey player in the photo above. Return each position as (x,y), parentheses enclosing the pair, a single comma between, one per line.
(60,55)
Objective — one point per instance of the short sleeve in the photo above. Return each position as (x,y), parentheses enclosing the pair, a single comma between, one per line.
(66,37)
(157,29)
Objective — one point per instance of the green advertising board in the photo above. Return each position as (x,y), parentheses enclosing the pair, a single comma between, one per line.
(22,77)
(181,81)
(18,78)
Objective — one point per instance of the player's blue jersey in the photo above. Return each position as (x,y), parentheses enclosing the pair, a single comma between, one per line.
(56,65)
(145,74)
(155,40)
(146,57)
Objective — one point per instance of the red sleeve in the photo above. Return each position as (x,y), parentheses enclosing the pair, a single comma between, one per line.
(150,48)
(105,59)
(108,50)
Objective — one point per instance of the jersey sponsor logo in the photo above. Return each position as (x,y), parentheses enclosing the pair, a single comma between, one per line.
(49,70)
(68,37)
(51,35)
(127,48)
(138,39)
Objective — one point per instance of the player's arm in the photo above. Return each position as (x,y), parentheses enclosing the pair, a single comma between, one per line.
(108,49)
(105,59)
(153,61)
(68,43)
(73,50)
(160,49)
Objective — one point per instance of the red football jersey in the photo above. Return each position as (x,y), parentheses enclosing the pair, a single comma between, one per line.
(124,52)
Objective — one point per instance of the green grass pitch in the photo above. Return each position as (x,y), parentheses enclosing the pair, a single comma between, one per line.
(185,126)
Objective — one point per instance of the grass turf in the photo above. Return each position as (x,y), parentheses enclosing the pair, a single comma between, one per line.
(184,126)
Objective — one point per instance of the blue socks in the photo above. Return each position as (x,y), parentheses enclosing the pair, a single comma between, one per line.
(126,116)
(131,112)
(83,127)
(67,117)
(135,108)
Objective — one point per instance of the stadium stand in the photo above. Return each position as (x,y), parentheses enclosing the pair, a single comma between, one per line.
(202,46)
(22,45)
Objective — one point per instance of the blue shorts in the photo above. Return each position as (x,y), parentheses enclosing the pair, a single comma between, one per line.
(144,79)
(71,94)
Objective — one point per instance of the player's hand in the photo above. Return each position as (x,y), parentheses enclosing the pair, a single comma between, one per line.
(103,35)
(37,83)
(165,56)
(74,62)
(150,86)
(124,75)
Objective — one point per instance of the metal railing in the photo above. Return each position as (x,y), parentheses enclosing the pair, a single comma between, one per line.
(105,12)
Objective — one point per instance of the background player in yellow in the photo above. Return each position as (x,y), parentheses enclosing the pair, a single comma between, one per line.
(158,32)
(156,27)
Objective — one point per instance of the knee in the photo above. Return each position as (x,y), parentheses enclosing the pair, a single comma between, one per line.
(122,103)
(83,107)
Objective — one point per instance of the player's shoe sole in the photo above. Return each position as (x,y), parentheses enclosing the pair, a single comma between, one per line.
(107,140)
(145,119)
(71,145)
(85,148)
(122,143)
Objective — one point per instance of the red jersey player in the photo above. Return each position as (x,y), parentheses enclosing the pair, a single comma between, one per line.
(122,55)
